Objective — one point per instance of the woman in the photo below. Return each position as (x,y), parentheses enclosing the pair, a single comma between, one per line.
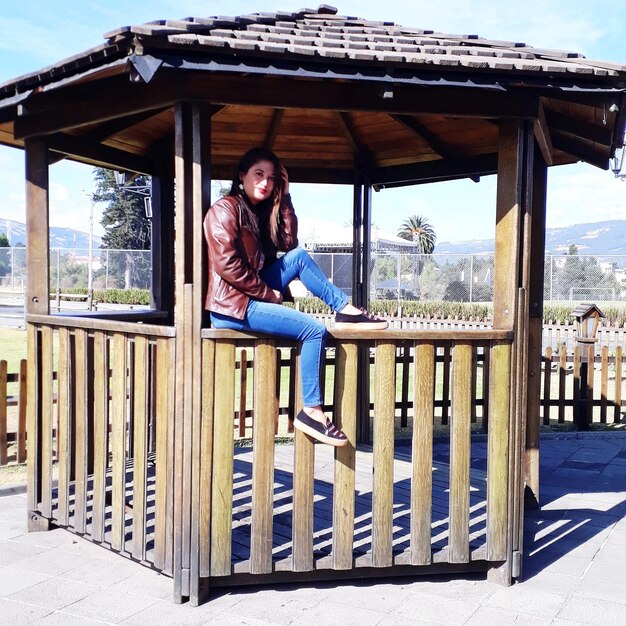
(244,231)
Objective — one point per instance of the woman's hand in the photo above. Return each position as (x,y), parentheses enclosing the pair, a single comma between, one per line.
(285,178)
(278,295)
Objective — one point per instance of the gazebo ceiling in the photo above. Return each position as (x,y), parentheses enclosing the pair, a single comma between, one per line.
(320,90)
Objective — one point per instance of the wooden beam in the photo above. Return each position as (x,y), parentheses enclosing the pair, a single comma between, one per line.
(438,146)
(542,136)
(348,129)
(579,150)
(272,130)
(45,115)
(579,128)
(37,224)
(99,155)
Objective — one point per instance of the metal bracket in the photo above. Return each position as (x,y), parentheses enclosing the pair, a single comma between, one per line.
(516,564)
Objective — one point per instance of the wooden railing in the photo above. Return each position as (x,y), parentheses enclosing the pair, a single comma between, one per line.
(106,419)
(238,532)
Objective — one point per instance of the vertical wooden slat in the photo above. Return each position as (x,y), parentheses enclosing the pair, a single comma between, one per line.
(445,394)
(263,457)
(222,486)
(590,349)
(497,453)
(422,452)
(243,391)
(460,453)
(208,402)
(486,388)
(118,439)
(345,416)
(100,432)
(277,385)
(47,421)
(577,383)
(4,452)
(604,391)
(303,476)
(547,381)
(80,430)
(21,412)
(164,451)
(34,418)
(291,411)
(64,401)
(406,371)
(562,380)
(382,488)
(139,395)
(617,413)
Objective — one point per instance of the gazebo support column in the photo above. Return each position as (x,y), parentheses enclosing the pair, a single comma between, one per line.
(535,329)
(510,313)
(37,302)
(361,254)
(192,196)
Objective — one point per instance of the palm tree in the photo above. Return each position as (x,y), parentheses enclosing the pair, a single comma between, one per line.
(419,230)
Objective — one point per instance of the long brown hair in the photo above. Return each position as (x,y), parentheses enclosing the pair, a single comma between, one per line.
(267,209)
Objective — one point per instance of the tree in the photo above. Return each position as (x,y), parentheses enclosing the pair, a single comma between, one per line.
(418,230)
(5,261)
(126,228)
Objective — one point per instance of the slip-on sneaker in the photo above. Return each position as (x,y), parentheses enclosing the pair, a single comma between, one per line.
(362,321)
(326,433)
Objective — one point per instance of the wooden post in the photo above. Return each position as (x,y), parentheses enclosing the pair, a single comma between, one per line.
(511,205)
(535,330)
(37,270)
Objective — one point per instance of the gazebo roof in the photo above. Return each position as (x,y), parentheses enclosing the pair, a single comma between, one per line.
(318,88)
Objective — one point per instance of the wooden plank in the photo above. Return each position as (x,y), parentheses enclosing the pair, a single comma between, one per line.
(139,395)
(4,452)
(243,387)
(222,484)
(497,453)
(422,452)
(33,339)
(406,372)
(445,393)
(547,381)
(21,412)
(604,385)
(590,349)
(163,377)
(47,420)
(80,429)
(208,403)
(617,413)
(93,322)
(382,488)
(118,439)
(263,457)
(562,381)
(460,453)
(64,437)
(101,428)
(303,471)
(345,418)
(37,225)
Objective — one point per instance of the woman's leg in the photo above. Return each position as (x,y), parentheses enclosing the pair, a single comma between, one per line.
(299,264)
(275,319)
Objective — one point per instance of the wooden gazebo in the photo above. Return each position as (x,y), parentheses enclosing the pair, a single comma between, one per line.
(140,412)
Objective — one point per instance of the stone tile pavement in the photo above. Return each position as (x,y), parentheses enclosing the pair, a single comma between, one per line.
(574,568)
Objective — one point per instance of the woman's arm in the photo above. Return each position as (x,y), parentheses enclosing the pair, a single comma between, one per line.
(222,232)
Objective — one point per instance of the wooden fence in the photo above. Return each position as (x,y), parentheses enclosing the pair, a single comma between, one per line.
(599,398)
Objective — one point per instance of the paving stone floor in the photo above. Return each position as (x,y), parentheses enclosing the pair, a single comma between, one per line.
(574,567)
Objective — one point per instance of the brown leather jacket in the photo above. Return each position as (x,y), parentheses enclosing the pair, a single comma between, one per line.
(236,255)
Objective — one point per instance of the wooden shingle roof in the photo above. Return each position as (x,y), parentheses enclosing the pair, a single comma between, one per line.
(319,88)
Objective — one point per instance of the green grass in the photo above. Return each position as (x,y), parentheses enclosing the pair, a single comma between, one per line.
(12,347)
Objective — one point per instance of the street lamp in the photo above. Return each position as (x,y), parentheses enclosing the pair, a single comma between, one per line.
(145,191)
(617,163)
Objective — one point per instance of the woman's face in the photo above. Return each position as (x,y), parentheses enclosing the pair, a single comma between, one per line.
(259,181)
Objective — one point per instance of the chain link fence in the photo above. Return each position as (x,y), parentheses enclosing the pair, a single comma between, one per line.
(71,269)
(393,274)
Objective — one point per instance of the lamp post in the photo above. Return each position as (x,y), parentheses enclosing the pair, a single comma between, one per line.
(617,162)
(90,251)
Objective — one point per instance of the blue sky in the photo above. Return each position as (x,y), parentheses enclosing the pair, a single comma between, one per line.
(37,33)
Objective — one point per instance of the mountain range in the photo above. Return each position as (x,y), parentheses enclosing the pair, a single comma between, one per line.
(597,239)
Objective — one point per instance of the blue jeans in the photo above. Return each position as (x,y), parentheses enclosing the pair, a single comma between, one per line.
(275,319)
